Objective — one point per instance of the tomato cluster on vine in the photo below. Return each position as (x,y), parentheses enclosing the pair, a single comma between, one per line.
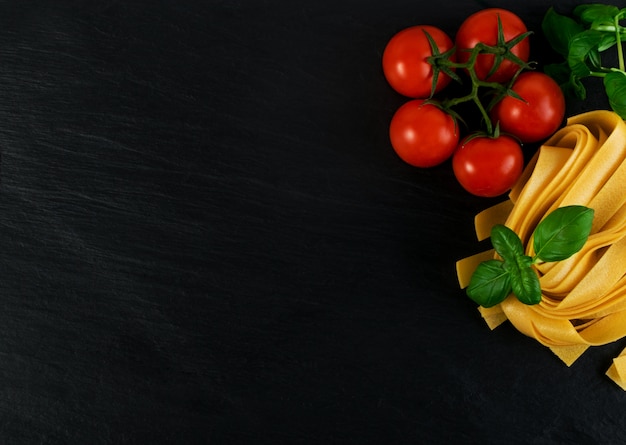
(517,104)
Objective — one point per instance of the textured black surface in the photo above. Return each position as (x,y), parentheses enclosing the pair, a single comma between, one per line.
(205,237)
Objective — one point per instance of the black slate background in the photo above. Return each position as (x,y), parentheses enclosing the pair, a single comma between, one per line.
(206,238)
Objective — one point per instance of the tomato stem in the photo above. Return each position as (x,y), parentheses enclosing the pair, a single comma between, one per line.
(477,84)
(501,51)
(618,38)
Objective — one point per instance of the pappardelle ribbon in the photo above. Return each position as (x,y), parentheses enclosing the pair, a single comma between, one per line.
(584,297)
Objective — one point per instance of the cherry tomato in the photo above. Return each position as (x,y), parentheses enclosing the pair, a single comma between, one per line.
(482,26)
(422,134)
(539,115)
(487,166)
(405,62)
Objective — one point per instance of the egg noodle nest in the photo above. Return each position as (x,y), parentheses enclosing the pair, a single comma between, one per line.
(583,300)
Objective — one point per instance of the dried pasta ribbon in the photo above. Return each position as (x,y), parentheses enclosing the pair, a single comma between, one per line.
(617,371)
(584,297)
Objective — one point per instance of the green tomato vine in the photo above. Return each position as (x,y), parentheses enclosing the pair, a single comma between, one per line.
(502,50)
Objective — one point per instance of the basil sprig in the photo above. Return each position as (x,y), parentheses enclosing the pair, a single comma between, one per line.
(580,39)
(559,236)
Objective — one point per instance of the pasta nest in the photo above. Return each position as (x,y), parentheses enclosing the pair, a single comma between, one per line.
(584,297)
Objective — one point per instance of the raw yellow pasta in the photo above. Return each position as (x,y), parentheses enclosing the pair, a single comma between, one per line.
(584,297)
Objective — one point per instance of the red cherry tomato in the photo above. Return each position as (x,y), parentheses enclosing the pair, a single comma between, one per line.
(539,115)
(405,62)
(482,26)
(422,134)
(487,166)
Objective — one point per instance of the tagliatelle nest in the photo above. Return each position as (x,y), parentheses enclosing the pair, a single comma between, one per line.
(584,297)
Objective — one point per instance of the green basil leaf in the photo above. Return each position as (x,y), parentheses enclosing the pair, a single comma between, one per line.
(593,59)
(608,40)
(558,30)
(560,72)
(524,281)
(524,261)
(490,283)
(562,233)
(506,242)
(570,84)
(615,87)
(596,13)
(575,88)
(583,52)
(526,286)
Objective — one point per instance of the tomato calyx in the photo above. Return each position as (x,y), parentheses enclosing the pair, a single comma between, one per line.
(495,134)
(440,62)
(446,109)
(504,50)
(508,91)
(479,134)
